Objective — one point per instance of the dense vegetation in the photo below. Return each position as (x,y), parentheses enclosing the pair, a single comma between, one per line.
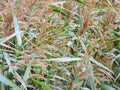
(59,45)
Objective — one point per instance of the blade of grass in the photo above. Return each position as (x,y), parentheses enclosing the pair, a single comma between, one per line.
(100,65)
(7,58)
(65,59)
(17,29)
(59,2)
(5,81)
(42,84)
(4,45)
(91,80)
(59,9)
(3,40)
(107,87)
(79,18)
(58,77)
(27,72)
(118,76)
(81,2)
(91,83)
(19,78)
(84,88)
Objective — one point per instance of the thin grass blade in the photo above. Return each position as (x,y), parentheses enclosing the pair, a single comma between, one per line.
(17,29)
(6,81)
(65,59)
(100,65)
(107,87)
(42,84)
(3,40)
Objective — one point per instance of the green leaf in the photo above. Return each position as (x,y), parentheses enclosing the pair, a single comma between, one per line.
(117,33)
(100,65)
(42,84)
(1,56)
(27,72)
(84,88)
(91,83)
(4,45)
(65,35)
(58,77)
(59,2)
(17,29)
(5,39)
(91,80)
(81,2)
(118,76)
(65,59)
(107,87)
(6,81)
(7,58)
(59,9)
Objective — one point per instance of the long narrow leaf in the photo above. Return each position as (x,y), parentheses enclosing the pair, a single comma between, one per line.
(65,59)
(7,58)
(3,40)
(107,87)
(27,72)
(19,78)
(100,65)
(42,84)
(6,81)
(91,83)
(4,45)
(59,9)
(17,29)
(81,2)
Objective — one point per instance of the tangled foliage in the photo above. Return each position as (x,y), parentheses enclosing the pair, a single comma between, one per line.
(59,45)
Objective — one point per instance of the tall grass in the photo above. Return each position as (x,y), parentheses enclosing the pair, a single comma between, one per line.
(59,45)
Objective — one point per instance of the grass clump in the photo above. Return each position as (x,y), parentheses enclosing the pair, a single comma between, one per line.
(59,45)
